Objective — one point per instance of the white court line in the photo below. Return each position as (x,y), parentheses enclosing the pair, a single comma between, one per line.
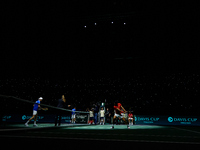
(186,130)
(92,139)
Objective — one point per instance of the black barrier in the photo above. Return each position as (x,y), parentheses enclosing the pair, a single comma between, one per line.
(43,118)
(83,118)
(167,120)
(19,118)
(187,120)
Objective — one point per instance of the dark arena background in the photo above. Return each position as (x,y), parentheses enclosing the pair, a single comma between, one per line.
(143,54)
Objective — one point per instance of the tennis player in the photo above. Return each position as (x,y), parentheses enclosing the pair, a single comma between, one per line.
(91,120)
(35,114)
(102,115)
(130,118)
(119,109)
(73,115)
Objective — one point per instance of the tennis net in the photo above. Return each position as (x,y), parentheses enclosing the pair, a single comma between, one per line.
(16,110)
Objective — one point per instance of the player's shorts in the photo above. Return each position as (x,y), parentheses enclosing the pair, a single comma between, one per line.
(101,118)
(118,115)
(130,118)
(74,116)
(34,112)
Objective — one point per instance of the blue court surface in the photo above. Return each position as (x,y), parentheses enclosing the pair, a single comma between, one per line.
(85,134)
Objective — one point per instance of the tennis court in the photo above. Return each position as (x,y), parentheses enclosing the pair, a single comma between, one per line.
(86,134)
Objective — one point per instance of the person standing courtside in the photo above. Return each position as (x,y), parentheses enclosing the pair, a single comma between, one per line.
(96,110)
(102,115)
(61,104)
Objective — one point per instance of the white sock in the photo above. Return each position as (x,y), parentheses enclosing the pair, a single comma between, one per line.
(34,122)
(27,122)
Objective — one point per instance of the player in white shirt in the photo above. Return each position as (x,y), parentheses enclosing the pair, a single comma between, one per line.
(91,121)
(102,115)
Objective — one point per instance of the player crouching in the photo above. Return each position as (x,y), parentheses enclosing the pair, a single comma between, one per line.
(119,109)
